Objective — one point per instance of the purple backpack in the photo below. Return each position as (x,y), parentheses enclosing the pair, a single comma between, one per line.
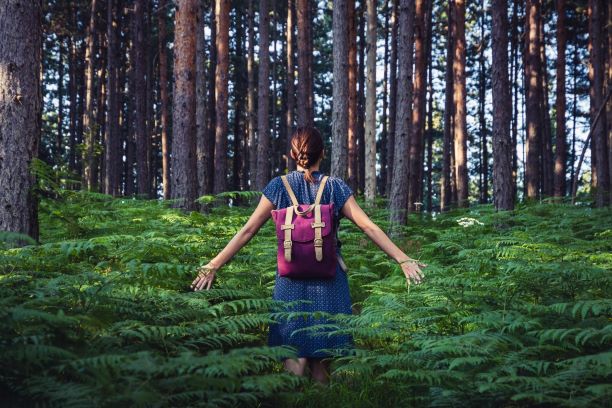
(306,237)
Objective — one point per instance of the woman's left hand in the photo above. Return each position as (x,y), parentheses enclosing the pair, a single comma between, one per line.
(206,275)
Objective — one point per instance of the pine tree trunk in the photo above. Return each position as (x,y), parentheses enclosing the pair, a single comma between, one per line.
(221,96)
(252,115)
(89,125)
(398,199)
(201,106)
(599,145)
(370,118)
(163,97)
(484,161)
(459,102)
(361,102)
(533,82)
(385,97)
(392,96)
(547,151)
(304,84)
(352,96)
(140,101)
(263,96)
(418,111)
(211,118)
(445,177)
(339,159)
(20,114)
(112,153)
(59,136)
(183,166)
(290,89)
(239,95)
(503,193)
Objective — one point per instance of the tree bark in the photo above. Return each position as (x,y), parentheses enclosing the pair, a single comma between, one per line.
(252,115)
(221,97)
(89,125)
(561,138)
(112,148)
(398,199)
(503,193)
(445,177)
(20,114)
(239,95)
(459,102)
(201,107)
(352,97)
(370,113)
(304,110)
(533,83)
(340,91)
(263,94)
(385,97)
(392,96)
(183,167)
(163,98)
(290,115)
(484,153)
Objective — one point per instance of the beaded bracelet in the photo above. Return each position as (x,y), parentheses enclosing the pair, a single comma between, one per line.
(408,260)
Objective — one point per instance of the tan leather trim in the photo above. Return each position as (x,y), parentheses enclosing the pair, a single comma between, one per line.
(288,227)
(318,240)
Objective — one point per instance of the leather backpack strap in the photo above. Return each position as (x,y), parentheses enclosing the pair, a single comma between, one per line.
(318,240)
(320,190)
(289,191)
(288,226)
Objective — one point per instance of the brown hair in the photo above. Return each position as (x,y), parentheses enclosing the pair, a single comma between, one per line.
(306,148)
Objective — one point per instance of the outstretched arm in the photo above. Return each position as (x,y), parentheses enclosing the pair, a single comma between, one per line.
(242,237)
(353,212)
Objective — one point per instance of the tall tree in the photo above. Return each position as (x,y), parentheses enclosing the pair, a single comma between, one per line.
(183,167)
(163,97)
(340,90)
(392,96)
(20,113)
(289,119)
(112,151)
(482,86)
(89,125)
(503,192)
(140,98)
(370,113)
(221,96)
(202,138)
(561,139)
(352,96)
(398,198)
(415,183)
(263,94)
(459,102)
(252,116)
(533,90)
(599,145)
(304,31)
(445,177)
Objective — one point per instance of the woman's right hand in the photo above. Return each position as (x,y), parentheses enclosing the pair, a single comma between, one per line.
(206,275)
(412,270)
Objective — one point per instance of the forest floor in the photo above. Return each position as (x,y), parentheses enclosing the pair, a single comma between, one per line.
(514,311)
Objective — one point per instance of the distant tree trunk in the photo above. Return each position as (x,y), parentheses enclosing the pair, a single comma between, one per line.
(609,104)
(561,142)
(418,112)
(183,167)
(239,95)
(599,145)
(484,162)
(113,132)
(221,97)
(385,97)
(546,162)
(533,83)
(289,119)
(20,114)
(340,91)
(252,116)
(514,47)
(72,90)
(392,96)
(304,111)
(89,126)
(398,199)
(503,193)
(59,136)
(445,177)
(163,98)
(140,101)
(459,101)
(201,107)
(430,131)
(361,80)
(352,97)
(263,94)
(370,113)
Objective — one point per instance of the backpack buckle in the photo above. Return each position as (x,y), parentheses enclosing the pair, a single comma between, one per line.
(287,244)
(318,224)
(318,242)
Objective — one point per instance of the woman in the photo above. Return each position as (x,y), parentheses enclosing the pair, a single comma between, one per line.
(327,295)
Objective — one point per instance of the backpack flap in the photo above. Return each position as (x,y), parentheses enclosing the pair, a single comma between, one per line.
(303,230)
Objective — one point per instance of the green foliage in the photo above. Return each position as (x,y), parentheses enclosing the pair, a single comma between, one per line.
(514,310)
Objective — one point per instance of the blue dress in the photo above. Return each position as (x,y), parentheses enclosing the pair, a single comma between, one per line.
(327,295)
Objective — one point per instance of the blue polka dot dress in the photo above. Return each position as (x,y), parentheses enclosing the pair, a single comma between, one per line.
(327,295)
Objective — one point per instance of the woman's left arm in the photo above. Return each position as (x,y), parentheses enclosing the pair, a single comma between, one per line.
(242,237)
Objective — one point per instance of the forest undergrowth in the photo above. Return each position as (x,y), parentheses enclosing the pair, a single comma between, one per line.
(514,310)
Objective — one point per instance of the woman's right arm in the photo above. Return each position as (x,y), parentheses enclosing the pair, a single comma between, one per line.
(355,213)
